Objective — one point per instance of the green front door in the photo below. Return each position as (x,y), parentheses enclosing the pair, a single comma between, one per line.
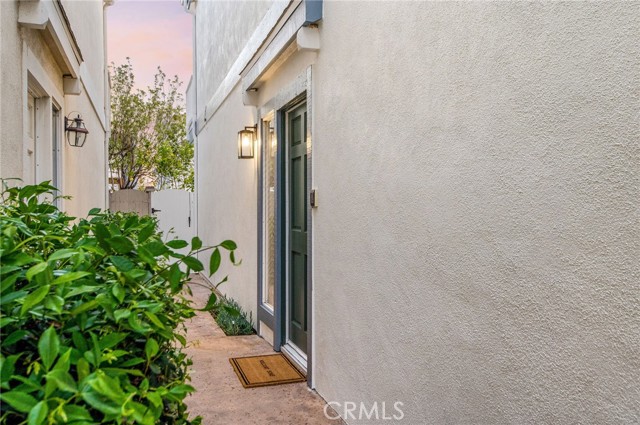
(297,255)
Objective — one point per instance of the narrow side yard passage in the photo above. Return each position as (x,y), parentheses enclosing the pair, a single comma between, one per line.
(220,397)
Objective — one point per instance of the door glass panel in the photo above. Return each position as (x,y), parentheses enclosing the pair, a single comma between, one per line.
(269,196)
(55,143)
(30,169)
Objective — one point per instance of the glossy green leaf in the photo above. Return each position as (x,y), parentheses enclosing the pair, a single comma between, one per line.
(64,361)
(49,347)
(154,319)
(193,263)
(214,262)
(20,401)
(76,413)
(229,245)
(177,244)
(37,269)
(151,348)
(175,276)
(146,232)
(147,256)
(14,337)
(211,302)
(63,380)
(54,303)
(121,314)
(34,298)
(84,307)
(83,368)
(62,254)
(109,387)
(118,292)
(38,414)
(7,368)
(12,296)
(122,263)
(112,339)
(121,244)
(69,277)
(182,390)
(156,248)
(101,402)
(102,233)
(196,243)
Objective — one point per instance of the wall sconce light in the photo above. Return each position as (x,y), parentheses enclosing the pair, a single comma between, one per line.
(76,131)
(247,141)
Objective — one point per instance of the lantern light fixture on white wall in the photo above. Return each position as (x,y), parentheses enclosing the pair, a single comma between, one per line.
(247,141)
(76,131)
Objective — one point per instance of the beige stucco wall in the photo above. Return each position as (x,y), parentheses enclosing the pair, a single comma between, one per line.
(228,211)
(25,52)
(222,29)
(476,244)
(10,88)
(227,205)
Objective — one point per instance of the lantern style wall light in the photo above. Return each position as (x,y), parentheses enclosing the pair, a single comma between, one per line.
(247,141)
(76,131)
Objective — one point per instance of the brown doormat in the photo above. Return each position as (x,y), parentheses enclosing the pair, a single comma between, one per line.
(260,371)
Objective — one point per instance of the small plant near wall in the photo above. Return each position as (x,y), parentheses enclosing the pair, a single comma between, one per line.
(231,318)
(92,315)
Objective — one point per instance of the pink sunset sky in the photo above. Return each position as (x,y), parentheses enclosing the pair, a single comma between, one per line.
(152,33)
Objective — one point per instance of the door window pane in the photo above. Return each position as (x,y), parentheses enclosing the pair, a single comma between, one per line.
(269,223)
(30,165)
(55,143)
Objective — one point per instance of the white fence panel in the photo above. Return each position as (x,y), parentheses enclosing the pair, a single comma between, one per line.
(174,208)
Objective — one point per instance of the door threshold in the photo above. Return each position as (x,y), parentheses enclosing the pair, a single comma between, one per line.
(294,354)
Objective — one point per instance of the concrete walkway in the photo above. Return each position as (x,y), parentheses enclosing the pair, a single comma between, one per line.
(220,397)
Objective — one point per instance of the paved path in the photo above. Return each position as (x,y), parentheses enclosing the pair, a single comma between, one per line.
(220,397)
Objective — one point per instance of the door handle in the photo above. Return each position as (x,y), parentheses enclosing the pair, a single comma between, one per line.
(153,210)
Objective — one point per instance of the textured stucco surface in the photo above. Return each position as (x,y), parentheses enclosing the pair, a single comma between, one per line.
(476,244)
(222,29)
(476,248)
(83,175)
(10,88)
(227,204)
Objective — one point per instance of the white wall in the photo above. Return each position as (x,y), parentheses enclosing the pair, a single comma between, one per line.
(476,246)
(476,241)
(27,51)
(11,149)
(227,202)
(222,28)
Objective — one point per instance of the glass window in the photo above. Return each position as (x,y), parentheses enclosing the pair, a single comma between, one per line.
(30,166)
(269,220)
(55,154)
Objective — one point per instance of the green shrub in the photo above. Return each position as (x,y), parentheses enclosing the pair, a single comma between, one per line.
(231,318)
(92,315)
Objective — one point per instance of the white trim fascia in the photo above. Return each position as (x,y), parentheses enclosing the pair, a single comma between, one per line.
(279,44)
(45,15)
(34,67)
(257,39)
